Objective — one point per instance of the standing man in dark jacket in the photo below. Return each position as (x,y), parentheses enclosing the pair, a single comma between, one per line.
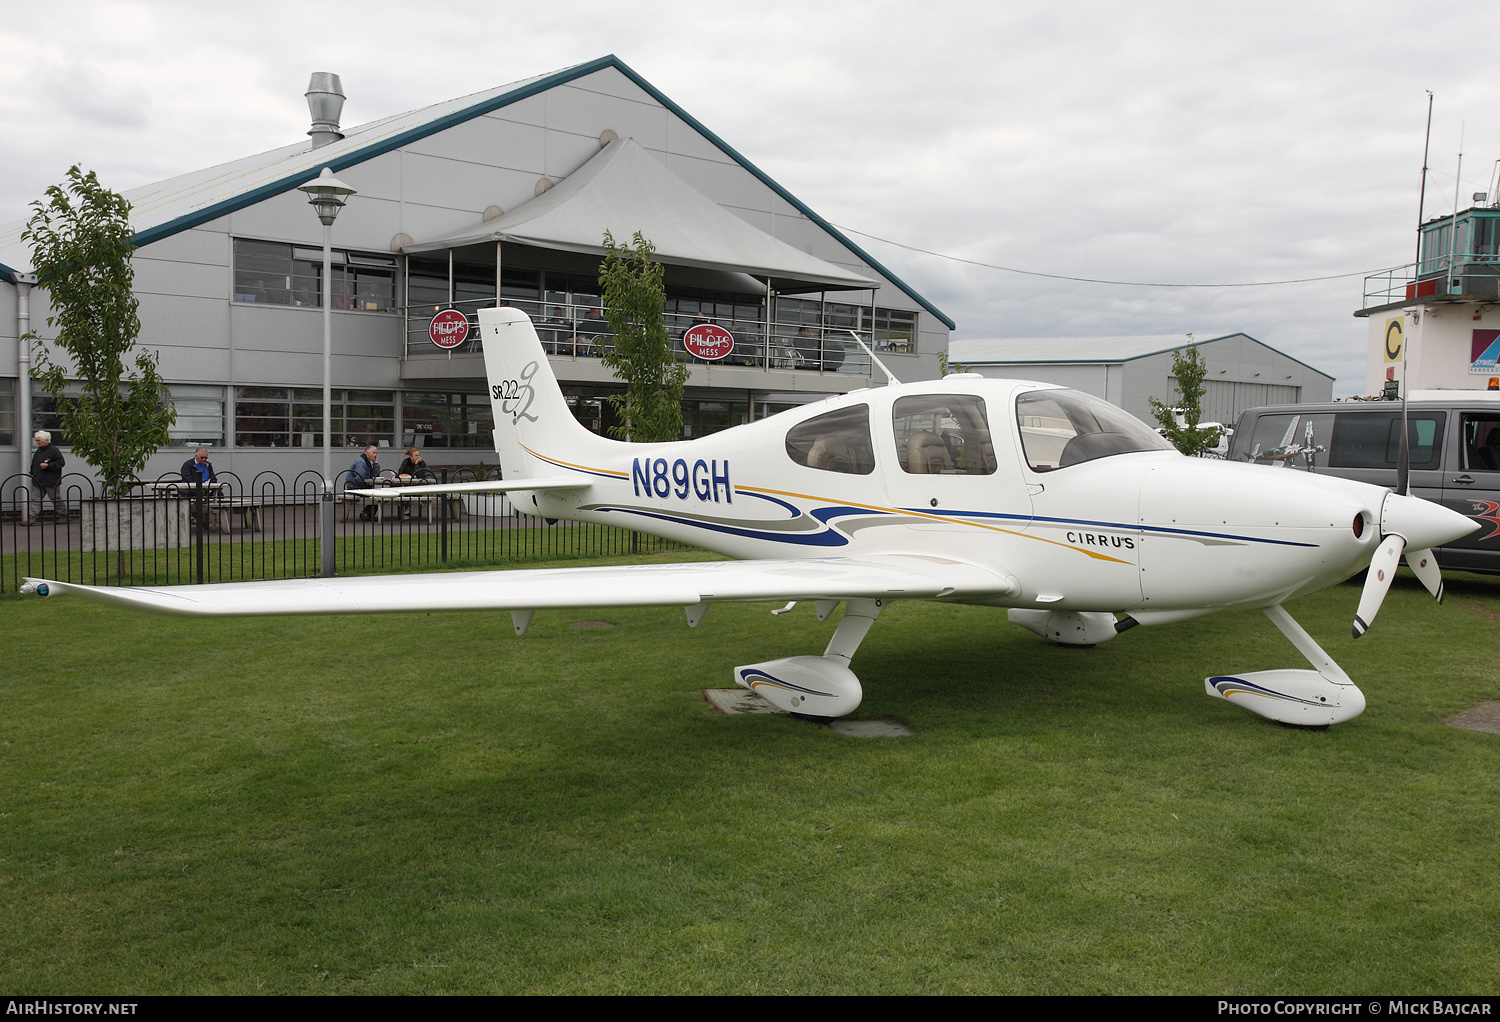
(46,476)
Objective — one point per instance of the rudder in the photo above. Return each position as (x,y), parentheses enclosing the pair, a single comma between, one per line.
(532,417)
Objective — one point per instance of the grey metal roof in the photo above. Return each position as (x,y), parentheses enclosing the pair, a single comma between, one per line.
(180,203)
(1090,350)
(624,187)
(161,209)
(1011,350)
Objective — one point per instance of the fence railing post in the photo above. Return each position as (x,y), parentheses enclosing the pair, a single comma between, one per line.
(200,503)
(443,518)
(326,534)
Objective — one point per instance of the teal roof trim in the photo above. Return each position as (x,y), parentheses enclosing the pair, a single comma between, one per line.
(358,156)
(349,159)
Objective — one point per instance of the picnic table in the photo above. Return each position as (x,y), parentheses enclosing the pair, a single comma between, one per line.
(219,505)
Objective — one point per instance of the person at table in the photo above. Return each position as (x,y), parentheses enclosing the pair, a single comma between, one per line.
(198,469)
(362,475)
(592,333)
(415,466)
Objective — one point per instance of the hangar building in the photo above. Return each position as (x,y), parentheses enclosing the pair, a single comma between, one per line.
(1129,371)
(503,195)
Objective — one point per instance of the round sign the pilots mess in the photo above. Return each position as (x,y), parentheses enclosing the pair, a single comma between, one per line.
(708,341)
(449,328)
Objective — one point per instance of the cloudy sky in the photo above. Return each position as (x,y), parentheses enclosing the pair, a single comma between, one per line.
(1176,143)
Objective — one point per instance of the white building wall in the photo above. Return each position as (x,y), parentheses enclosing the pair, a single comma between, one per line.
(1439,346)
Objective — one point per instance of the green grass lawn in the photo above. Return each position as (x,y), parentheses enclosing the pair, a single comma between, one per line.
(424,803)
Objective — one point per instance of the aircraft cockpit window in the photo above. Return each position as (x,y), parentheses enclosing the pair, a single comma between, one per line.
(1060,428)
(837,441)
(943,434)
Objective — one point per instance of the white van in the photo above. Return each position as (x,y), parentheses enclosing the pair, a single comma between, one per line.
(1454,439)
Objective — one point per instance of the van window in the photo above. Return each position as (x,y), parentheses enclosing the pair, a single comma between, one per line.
(1373,439)
(1352,439)
(1290,440)
(943,434)
(1481,442)
(837,441)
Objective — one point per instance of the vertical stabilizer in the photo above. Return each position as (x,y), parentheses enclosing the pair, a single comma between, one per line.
(534,428)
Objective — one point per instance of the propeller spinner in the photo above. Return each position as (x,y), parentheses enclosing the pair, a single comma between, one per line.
(1412,526)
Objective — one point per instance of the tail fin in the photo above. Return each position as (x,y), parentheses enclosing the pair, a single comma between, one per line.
(534,428)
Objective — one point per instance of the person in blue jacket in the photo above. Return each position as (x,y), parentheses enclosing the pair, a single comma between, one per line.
(198,468)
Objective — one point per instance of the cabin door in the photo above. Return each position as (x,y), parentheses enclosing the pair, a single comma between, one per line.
(952,471)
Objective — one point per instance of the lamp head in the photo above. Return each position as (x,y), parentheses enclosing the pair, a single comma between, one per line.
(327,194)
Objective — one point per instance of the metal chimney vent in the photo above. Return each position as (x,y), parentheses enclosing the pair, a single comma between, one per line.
(325,101)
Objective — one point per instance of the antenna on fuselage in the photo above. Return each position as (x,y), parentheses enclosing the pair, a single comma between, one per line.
(888,374)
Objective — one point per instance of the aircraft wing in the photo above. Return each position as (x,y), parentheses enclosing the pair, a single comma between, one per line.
(890,577)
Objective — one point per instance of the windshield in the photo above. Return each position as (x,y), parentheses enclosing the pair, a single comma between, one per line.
(1060,428)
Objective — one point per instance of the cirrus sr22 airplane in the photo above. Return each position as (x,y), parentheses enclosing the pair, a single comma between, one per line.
(1072,514)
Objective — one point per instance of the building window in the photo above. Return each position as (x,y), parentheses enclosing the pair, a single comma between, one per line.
(44,413)
(430,419)
(702,416)
(293,417)
(7,412)
(269,272)
(200,415)
(887,330)
(883,329)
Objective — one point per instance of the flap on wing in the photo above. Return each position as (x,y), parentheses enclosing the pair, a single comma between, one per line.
(892,577)
(485,486)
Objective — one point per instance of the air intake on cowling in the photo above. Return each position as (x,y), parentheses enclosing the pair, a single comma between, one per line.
(325,101)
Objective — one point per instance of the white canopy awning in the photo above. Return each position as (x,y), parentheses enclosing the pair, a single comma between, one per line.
(625,189)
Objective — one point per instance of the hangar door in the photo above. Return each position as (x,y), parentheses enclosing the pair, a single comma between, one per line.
(1223,401)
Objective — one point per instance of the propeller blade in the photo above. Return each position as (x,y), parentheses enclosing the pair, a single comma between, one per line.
(1425,567)
(1378,581)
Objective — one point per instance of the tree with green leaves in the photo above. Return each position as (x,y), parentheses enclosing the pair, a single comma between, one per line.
(80,238)
(1188,369)
(946,368)
(641,354)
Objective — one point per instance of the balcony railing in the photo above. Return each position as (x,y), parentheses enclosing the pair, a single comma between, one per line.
(580,332)
(1474,274)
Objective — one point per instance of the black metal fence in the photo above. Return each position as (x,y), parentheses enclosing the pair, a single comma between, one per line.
(169,532)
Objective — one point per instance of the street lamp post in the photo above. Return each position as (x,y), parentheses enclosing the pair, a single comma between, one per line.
(327,194)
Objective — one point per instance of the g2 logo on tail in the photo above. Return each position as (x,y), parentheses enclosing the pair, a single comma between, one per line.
(516,396)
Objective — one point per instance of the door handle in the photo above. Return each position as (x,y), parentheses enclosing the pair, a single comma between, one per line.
(1465,479)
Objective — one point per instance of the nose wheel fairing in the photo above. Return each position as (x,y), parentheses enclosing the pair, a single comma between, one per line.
(1322,696)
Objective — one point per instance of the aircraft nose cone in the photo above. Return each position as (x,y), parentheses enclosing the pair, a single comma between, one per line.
(1422,523)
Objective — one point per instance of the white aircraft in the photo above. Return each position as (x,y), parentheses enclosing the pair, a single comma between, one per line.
(1003,493)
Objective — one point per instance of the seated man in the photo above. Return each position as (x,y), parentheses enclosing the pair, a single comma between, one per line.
(198,469)
(361,476)
(415,466)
